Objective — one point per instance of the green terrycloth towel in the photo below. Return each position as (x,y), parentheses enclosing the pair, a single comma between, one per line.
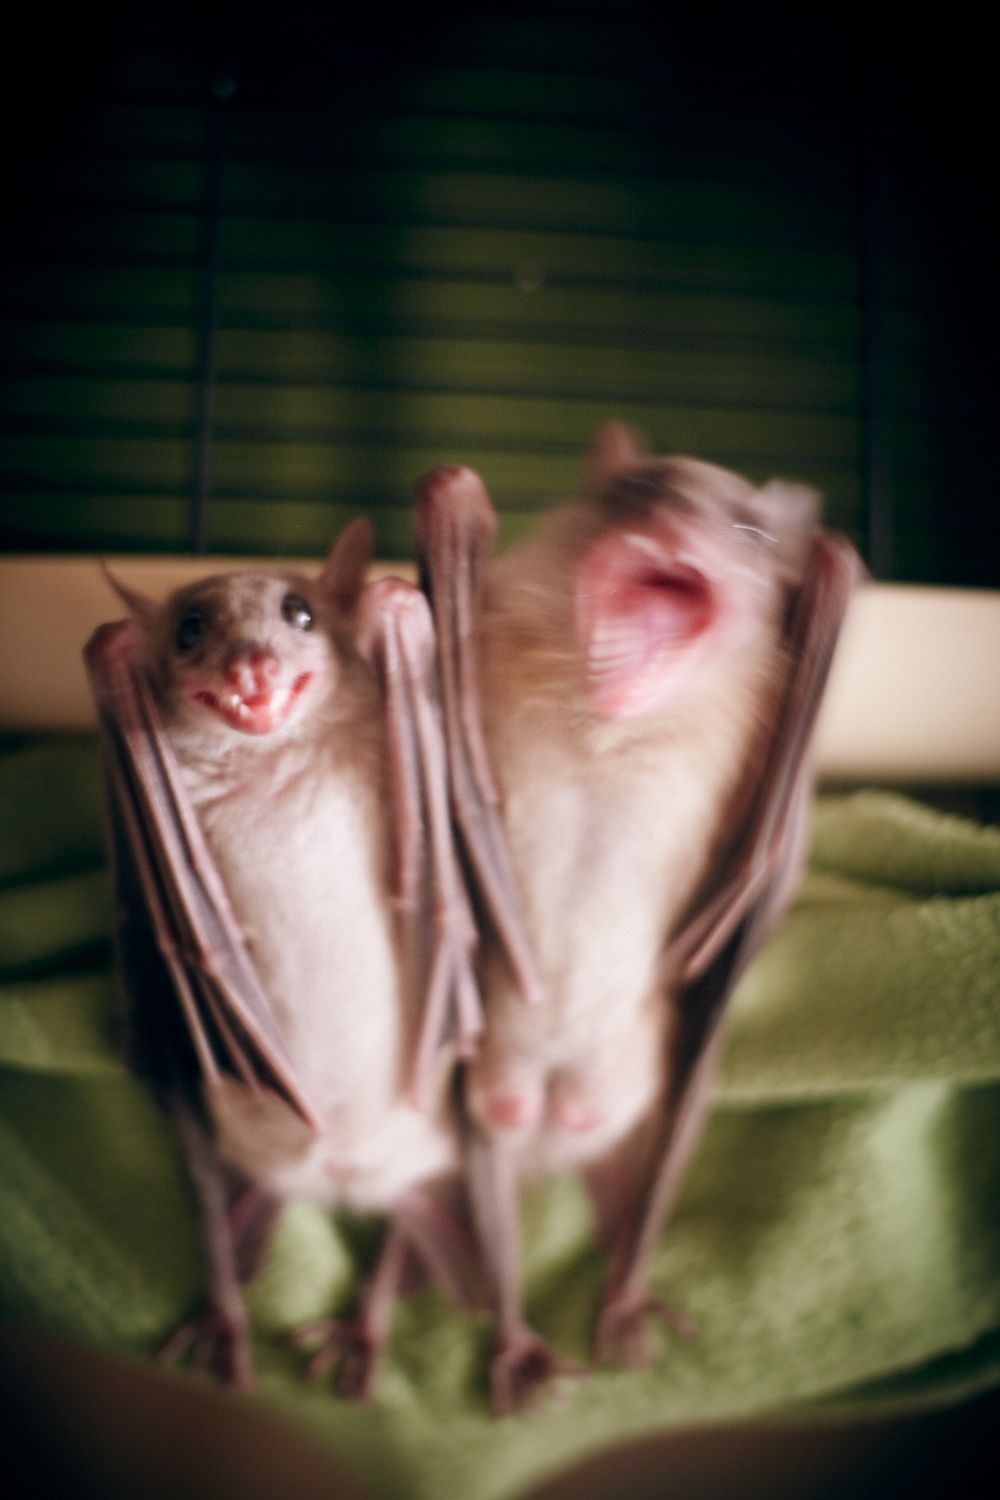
(837,1242)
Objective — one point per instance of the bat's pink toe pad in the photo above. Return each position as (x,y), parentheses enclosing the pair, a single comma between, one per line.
(515,1111)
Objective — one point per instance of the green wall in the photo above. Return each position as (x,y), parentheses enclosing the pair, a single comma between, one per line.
(471,238)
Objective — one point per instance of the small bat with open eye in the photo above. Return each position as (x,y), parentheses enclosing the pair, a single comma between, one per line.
(294,935)
(629,700)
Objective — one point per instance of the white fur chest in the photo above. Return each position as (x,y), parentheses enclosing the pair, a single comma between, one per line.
(605,861)
(303,857)
(609,838)
(302,851)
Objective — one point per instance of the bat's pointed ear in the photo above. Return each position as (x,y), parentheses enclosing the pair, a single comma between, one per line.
(343,575)
(140,606)
(614,447)
(788,515)
(787,510)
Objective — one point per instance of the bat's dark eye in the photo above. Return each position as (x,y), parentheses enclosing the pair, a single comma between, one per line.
(191,628)
(296,611)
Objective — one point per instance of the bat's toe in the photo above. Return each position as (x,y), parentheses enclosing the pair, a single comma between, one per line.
(346,1350)
(527,1372)
(217,1341)
(623,1330)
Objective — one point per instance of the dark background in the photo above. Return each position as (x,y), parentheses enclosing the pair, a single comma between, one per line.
(288,263)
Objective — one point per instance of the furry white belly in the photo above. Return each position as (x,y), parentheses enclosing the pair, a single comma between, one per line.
(604,865)
(366,1169)
(306,870)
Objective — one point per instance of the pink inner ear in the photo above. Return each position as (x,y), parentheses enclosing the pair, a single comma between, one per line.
(639,615)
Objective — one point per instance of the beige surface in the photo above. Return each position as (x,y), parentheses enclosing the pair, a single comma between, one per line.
(914,697)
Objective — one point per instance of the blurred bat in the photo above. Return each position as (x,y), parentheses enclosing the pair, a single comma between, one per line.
(646,672)
(294,936)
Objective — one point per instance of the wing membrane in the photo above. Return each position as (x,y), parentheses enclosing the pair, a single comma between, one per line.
(180,942)
(455,529)
(397,635)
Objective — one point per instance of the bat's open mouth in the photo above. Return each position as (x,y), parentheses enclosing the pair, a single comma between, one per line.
(258,713)
(640,608)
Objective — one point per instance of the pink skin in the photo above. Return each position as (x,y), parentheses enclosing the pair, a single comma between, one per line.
(511,1111)
(255,701)
(646,605)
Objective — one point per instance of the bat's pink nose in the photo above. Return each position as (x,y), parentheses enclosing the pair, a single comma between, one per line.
(252,671)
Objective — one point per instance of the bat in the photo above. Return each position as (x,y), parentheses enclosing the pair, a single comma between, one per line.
(293,934)
(629,698)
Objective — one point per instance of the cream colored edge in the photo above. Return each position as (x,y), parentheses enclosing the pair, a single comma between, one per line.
(914,697)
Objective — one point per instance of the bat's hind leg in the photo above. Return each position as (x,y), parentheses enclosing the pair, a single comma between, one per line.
(350,1347)
(427,1238)
(628,1303)
(623,1335)
(524,1369)
(236,1228)
(216,1340)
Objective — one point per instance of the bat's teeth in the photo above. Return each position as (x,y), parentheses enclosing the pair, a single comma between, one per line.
(607,637)
(644,544)
(607,645)
(666,559)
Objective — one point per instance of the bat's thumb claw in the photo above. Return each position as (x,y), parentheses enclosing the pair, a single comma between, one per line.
(452,500)
(393,607)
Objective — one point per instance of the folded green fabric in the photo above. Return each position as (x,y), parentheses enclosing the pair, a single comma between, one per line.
(838,1238)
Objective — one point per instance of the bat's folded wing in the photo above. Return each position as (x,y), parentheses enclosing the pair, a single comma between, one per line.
(733,912)
(758,868)
(396,634)
(455,529)
(197,1010)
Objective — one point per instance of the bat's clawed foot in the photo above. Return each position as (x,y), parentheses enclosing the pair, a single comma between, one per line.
(526,1371)
(217,1341)
(345,1347)
(623,1336)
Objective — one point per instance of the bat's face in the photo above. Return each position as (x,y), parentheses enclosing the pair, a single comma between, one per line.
(687,564)
(244,654)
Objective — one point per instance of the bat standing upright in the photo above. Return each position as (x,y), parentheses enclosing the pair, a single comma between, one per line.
(293,928)
(647,670)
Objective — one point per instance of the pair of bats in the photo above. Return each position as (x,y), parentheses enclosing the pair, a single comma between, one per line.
(524,825)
